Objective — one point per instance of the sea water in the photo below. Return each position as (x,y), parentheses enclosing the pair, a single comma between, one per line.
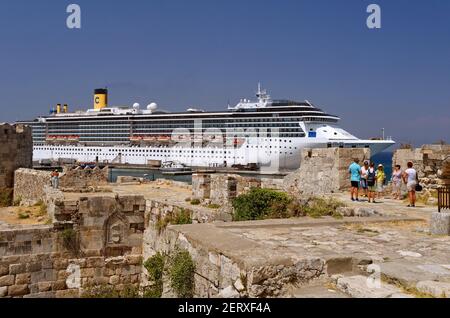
(385,158)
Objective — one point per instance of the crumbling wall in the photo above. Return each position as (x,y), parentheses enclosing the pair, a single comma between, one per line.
(324,170)
(16,151)
(93,241)
(428,161)
(221,271)
(201,186)
(221,188)
(79,179)
(29,185)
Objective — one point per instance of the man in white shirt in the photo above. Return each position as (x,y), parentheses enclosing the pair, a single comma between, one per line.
(410,178)
(364,184)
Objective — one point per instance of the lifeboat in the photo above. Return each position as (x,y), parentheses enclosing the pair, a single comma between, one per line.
(73,138)
(135,138)
(164,138)
(149,138)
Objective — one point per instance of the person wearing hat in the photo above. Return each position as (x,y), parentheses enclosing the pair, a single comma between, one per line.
(380,177)
(55,179)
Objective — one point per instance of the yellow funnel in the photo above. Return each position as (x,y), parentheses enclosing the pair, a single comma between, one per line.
(100,98)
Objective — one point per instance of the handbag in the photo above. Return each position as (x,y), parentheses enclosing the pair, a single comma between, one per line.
(418,186)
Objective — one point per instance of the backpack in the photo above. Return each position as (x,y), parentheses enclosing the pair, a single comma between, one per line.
(371,176)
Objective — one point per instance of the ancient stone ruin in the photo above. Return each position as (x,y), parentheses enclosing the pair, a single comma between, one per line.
(15,152)
(324,170)
(430,161)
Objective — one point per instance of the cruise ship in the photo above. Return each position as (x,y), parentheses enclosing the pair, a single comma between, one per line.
(263,132)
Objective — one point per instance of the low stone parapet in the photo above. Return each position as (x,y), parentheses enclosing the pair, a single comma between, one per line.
(29,185)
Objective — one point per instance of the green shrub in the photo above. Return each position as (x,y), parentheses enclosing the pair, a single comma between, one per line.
(319,207)
(70,240)
(213,206)
(6,197)
(195,201)
(182,217)
(258,204)
(42,208)
(17,201)
(24,215)
(176,218)
(181,274)
(155,268)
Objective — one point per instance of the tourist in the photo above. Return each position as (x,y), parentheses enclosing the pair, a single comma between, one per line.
(355,178)
(397,182)
(410,178)
(371,178)
(380,178)
(55,179)
(364,178)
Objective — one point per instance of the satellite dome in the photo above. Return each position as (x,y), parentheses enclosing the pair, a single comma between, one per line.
(136,105)
(152,106)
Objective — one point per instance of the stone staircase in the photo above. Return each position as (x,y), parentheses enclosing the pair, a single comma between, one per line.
(389,280)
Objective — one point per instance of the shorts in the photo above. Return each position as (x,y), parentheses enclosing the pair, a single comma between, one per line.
(380,187)
(355,184)
(364,184)
(411,186)
(371,186)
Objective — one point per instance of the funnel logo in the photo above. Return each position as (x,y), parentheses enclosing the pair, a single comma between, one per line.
(97,100)
(74,19)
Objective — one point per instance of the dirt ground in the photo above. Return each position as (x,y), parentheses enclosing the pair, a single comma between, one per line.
(23,215)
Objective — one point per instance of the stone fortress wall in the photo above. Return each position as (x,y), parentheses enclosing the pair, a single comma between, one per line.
(92,241)
(431,162)
(29,184)
(15,152)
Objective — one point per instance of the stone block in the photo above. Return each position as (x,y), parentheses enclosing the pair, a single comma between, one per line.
(17,268)
(95,262)
(18,290)
(24,278)
(46,295)
(440,223)
(7,280)
(3,291)
(88,272)
(45,286)
(59,285)
(68,293)
(33,267)
(437,289)
(4,270)
(134,259)
(60,263)
(361,287)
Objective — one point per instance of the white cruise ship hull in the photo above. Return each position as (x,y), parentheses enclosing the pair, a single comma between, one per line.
(277,153)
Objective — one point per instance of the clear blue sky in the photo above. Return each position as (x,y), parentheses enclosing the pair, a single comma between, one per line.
(203,53)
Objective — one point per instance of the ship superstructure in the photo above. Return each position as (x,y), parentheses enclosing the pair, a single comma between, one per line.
(262,132)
